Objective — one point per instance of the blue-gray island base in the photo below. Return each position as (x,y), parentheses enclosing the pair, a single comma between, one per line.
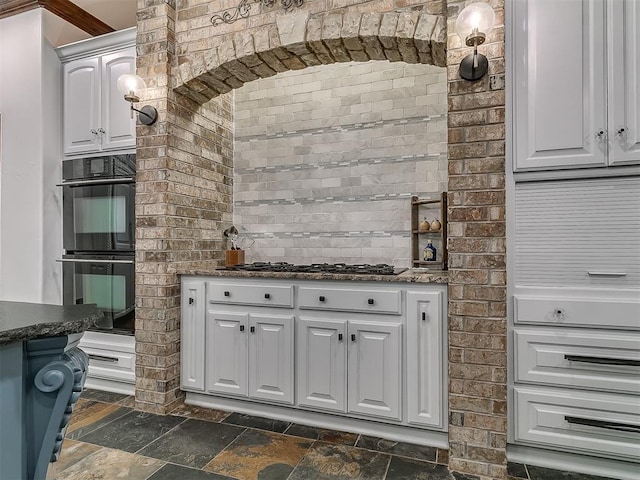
(41,377)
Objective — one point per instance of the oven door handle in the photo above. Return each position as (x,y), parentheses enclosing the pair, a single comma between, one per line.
(82,260)
(97,181)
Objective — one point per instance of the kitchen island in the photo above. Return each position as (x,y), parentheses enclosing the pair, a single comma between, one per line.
(41,376)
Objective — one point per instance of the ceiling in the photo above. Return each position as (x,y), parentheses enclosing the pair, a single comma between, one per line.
(67,21)
(118,14)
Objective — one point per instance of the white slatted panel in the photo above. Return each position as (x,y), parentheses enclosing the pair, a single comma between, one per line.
(566,228)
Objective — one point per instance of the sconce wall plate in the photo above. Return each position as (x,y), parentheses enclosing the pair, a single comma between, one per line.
(471,73)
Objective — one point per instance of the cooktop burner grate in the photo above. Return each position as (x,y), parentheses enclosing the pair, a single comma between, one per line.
(362,269)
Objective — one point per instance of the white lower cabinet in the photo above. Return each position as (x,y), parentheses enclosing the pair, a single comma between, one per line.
(363,350)
(576,364)
(250,355)
(321,363)
(426,340)
(590,422)
(374,369)
(350,366)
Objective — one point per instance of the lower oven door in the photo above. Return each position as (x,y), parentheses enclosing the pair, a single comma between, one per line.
(108,282)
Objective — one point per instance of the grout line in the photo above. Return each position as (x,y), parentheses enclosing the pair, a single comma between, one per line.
(162,435)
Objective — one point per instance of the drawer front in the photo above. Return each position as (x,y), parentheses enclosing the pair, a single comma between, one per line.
(350,300)
(605,312)
(579,358)
(585,422)
(267,295)
(110,365)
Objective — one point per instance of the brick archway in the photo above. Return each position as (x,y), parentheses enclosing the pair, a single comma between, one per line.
(300,40)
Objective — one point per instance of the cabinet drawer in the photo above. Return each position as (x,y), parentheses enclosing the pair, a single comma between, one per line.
(589,422)
(110,365)
(350,300)
(582,312)
(267,295)
(579,358)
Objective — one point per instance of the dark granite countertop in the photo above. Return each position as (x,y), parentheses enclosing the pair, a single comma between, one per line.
(409,276)
(24,321)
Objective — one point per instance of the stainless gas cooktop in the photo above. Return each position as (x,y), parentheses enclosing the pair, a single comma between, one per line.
(333,268)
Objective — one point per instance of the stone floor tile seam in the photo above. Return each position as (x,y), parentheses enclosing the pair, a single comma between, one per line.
(160,436)
(386,470)
(228,445)
(199,469)
(526,469)
(159,468)
(106,423)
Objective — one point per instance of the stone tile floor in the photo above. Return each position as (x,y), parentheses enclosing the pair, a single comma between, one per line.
(107,439)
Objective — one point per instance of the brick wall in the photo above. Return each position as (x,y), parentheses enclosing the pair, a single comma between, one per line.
(184,191)
(477,264)
(184,178)
(326,160)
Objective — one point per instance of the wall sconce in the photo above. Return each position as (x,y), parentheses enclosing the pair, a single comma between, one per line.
(129,85)
(473,25)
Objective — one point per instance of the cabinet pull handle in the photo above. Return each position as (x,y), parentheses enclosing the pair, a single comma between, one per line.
(603,360)
(371,301)
(227,294)
(242,328)
(94,131)
(101,130)
(623,427)
(191,300)
(321,298)
(102,358)
(252,329)
(424,316)
(353,337)
(606,274)
(339,337)
(267,296)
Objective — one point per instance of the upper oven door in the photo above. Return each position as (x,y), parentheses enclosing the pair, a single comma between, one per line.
(99,216)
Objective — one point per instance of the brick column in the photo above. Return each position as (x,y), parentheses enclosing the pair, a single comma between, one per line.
(183,197)
(477,258)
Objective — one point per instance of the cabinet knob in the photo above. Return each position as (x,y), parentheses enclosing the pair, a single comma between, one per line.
(227,294)
(242,328)
(371,301)
(101,131)
(558,314)
(191,300)
(267,296)
(321,298)
(353,337)
(94,131)
(621,132)
(601,135)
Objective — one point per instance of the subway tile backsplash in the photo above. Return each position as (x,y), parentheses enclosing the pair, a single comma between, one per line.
(327,158)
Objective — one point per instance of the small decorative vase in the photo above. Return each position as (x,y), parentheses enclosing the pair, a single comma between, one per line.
(436,225)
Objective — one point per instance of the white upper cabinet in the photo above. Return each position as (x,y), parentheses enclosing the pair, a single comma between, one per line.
(95,115)
(624,82)
(575,84)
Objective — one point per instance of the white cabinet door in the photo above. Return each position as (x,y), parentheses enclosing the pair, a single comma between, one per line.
(226,353)
(81,105)
(559,84)
(624,85)
(271,357)
(425,371)
(321,364)
(118,126)
(192,335)
(375,369)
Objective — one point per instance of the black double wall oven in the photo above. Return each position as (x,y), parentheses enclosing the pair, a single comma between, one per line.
(98,225)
